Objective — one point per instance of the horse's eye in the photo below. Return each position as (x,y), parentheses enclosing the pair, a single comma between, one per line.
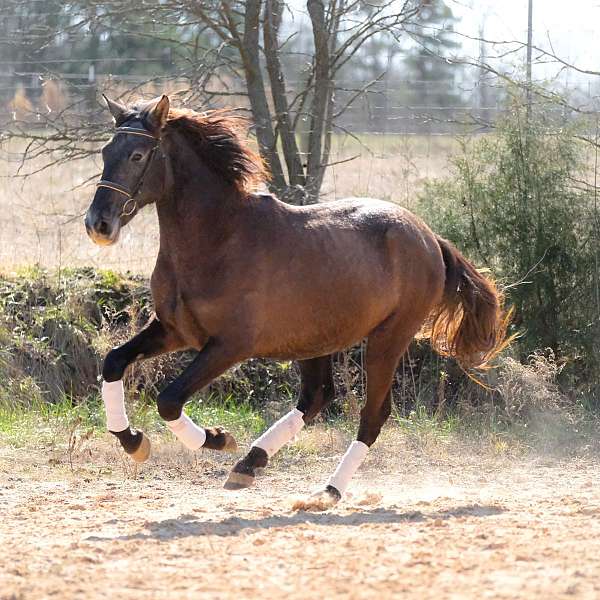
(137,156)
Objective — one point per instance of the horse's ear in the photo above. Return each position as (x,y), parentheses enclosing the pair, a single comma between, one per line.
(155,113)
(117,110)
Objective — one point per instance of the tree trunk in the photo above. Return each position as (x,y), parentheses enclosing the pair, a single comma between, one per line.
(321,98)
(258,98)
(291,152)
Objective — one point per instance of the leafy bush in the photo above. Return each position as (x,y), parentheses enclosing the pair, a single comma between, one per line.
(51,329)
(515,204)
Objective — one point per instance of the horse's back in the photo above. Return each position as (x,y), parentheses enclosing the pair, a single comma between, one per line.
(369,216)
(376,234)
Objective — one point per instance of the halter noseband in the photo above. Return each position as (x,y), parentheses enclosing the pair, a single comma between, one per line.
(117,187)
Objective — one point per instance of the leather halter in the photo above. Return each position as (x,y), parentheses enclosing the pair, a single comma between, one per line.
(117,187)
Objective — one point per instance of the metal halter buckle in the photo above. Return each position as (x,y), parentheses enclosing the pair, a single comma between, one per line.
(124,211)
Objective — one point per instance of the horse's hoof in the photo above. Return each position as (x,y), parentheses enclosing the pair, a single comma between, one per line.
(219,439)
(319,501)
(230,443)
(238,481)
(244,471)
(142,453)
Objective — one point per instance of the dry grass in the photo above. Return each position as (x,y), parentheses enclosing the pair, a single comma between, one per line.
(41,217)
(391,167)
(533,403)
(531,388)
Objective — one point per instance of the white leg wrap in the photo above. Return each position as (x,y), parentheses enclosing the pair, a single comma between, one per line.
(114,405)
(187,432)
(349,464)
(281,432)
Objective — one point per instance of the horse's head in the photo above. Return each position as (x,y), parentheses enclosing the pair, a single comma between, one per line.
(133,173)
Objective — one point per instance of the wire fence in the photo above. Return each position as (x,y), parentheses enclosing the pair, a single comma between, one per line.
(407,106)
(391,139)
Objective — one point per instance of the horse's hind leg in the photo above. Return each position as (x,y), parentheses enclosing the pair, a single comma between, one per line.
(316,391)
(384,349)
(153,340)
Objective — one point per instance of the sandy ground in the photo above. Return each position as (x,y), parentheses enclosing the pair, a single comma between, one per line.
(417,525)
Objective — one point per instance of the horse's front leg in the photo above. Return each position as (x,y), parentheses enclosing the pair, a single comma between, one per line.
(214,358)
(153,340)
(316,391)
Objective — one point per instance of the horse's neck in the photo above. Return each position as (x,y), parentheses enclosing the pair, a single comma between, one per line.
(196,213)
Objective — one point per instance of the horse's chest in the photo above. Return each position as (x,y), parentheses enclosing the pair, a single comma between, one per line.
(176,313)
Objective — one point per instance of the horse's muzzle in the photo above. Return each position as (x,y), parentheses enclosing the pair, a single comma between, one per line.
(102,231)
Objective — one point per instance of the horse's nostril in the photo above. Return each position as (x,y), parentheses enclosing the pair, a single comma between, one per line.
(103,228)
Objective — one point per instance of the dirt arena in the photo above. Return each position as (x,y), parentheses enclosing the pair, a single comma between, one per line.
(418,524)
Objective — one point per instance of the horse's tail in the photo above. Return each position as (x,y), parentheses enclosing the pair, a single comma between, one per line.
(470,322)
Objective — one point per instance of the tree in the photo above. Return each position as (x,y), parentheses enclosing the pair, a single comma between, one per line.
(427,60)
(222,42)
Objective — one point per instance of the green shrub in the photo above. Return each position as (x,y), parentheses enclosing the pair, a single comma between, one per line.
(514,203)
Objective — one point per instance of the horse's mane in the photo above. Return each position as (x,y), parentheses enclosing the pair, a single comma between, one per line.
(217,138)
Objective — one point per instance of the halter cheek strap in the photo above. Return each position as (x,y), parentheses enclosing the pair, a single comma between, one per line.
(130,205)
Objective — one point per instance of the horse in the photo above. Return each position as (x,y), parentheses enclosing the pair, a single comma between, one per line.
(240,274)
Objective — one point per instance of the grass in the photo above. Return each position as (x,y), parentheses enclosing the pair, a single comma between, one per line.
(43,423)
(48,424)
(239,417)
(421,423)
(74,435)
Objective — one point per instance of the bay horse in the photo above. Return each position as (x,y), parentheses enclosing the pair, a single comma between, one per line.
(240,274)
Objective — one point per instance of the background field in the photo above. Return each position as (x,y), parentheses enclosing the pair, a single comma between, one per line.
(41,217)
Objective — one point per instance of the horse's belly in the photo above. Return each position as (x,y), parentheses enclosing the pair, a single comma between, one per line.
(347,300)
(322,328)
